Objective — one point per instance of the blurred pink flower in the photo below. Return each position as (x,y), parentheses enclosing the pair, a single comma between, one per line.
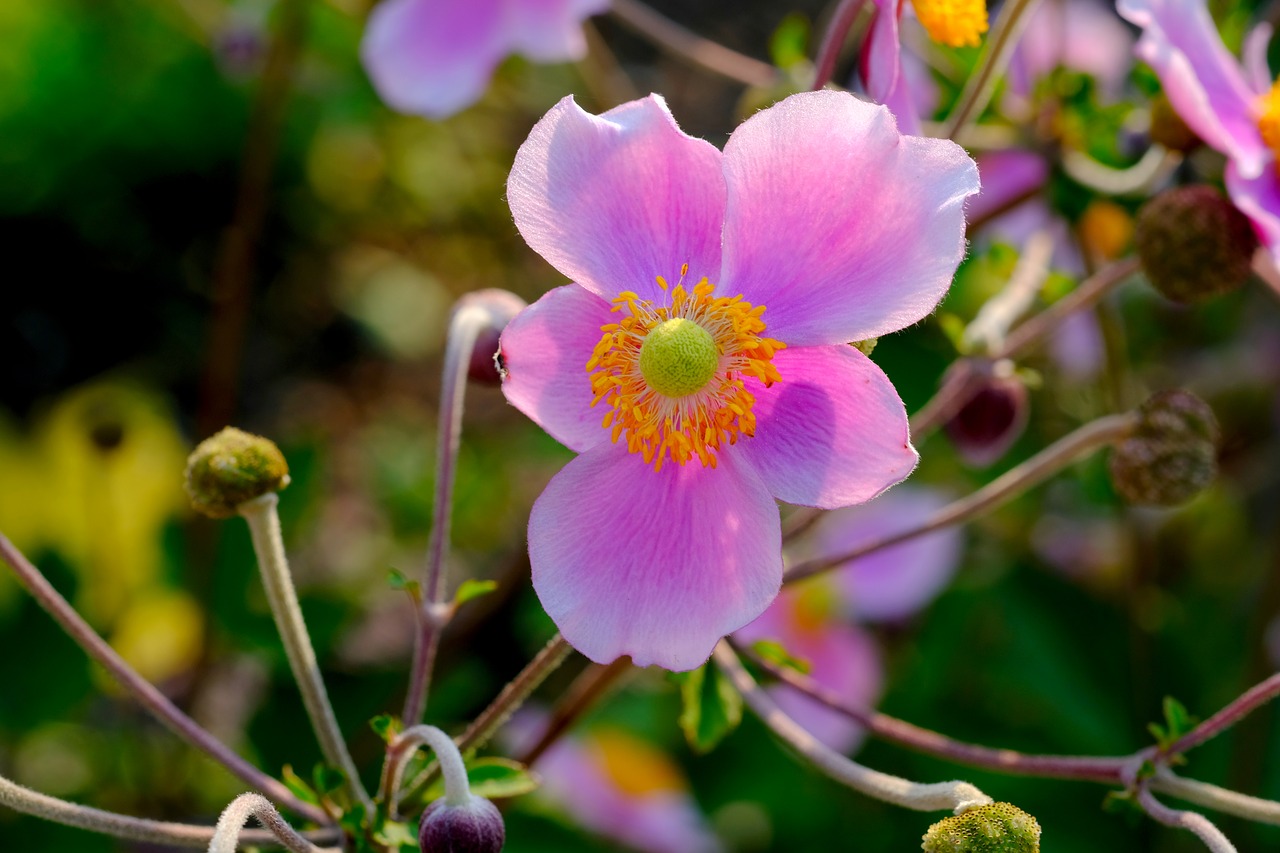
(435,57)
(1082,35)
(658,545)
(1235,109)
(618,786)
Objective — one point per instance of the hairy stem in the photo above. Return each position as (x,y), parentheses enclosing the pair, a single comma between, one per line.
(27,801)
(1105,769)
(1244,704)
(953,796)
(1212,797)
(1087,293)
(833,40)
(1037,469)
(692,48)
(268,544)
(1191,821)
(230,832)
(587,689)
(995,58)
(457,789)
(147,695)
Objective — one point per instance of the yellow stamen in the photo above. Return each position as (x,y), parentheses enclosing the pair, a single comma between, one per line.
(673,375)
(955,23)
(1269,118)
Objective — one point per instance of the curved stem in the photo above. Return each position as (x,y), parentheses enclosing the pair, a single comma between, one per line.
(27,801)
(1104,769)
(833,40)
(1038,468)
(457,789)
(691,47)
(147,695)
(230,832)
(1156,164)
(268,544)
(1087,293)
(1212,797)
(996,54)
(1191,821)
(954,796)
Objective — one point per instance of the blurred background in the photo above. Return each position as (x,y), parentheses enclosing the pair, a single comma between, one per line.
(208,217)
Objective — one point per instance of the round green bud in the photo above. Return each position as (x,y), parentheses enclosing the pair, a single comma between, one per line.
(1171,455)
(678,357)
(993,828)
(232,468)
(1194,244)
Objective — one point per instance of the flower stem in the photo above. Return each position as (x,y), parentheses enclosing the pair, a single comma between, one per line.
(1244,704)
(996,54)
(230,831)
(1032,472)
(1192,821)
(1104,769)
(1089,291)
(1212,797)
(691,47)
(264,528)
(147,695)
(955,796)
(27,801)
(457,789)
(833,40)
(587,689)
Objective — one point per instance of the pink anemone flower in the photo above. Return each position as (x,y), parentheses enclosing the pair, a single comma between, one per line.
(435,57)
(699,364)
(1235,109)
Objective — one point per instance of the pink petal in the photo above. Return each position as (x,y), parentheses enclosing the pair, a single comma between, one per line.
(432,57)
(655,565)
(833,432)
(890,584)
(1254,56)
(1082,35)
(1259,199)
(545,350)
(1204,82)
(549,30)
(614,201)
(843,228)
(881,55)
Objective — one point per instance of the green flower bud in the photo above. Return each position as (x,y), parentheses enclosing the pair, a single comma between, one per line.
(1172,454)
(993,828)
(232,468)
(1194,244)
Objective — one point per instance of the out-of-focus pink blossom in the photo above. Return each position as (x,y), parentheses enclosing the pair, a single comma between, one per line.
(1081,35)
(663,535)
(1235,109)
(435,57)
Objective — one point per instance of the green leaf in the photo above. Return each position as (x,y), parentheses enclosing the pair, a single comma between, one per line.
(395,835)
(472,588)
(789,44)
(1177,722)
(772,651)
(327,780)
(865,347)
(712,708)
(386,726)
(397,580)
(300,788)
(492,778)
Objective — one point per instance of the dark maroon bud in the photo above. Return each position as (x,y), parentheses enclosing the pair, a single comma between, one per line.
(1194,244)
(473,827)
(1171,455)
(1168,128)
(987,426)
(498,307)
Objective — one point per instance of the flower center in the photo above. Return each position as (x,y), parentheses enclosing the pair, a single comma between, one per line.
(678,357)
(673,375)
(1269,118)
(955,23)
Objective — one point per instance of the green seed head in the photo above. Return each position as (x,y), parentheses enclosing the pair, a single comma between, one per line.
(678,357)
(232,468)
(993,828)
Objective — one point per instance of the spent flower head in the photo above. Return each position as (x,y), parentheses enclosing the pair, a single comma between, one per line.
(1171,455)
(700,363)
(992,828)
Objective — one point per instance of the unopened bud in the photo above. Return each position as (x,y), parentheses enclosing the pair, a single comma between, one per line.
(993,828)
(1172,453)
(232,468)
(1194,244)
(986,426)
(1168,128)
(499,307)
(473,827)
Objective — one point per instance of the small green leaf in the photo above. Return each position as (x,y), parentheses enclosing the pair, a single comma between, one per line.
(326,779)
(1177,722)
(472,588)
(789,44)
(772,651)
(395,835)
(397,580)
(492,778)
(300,788)
(386,726)
(712,708)
(867,346)
(953,327)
